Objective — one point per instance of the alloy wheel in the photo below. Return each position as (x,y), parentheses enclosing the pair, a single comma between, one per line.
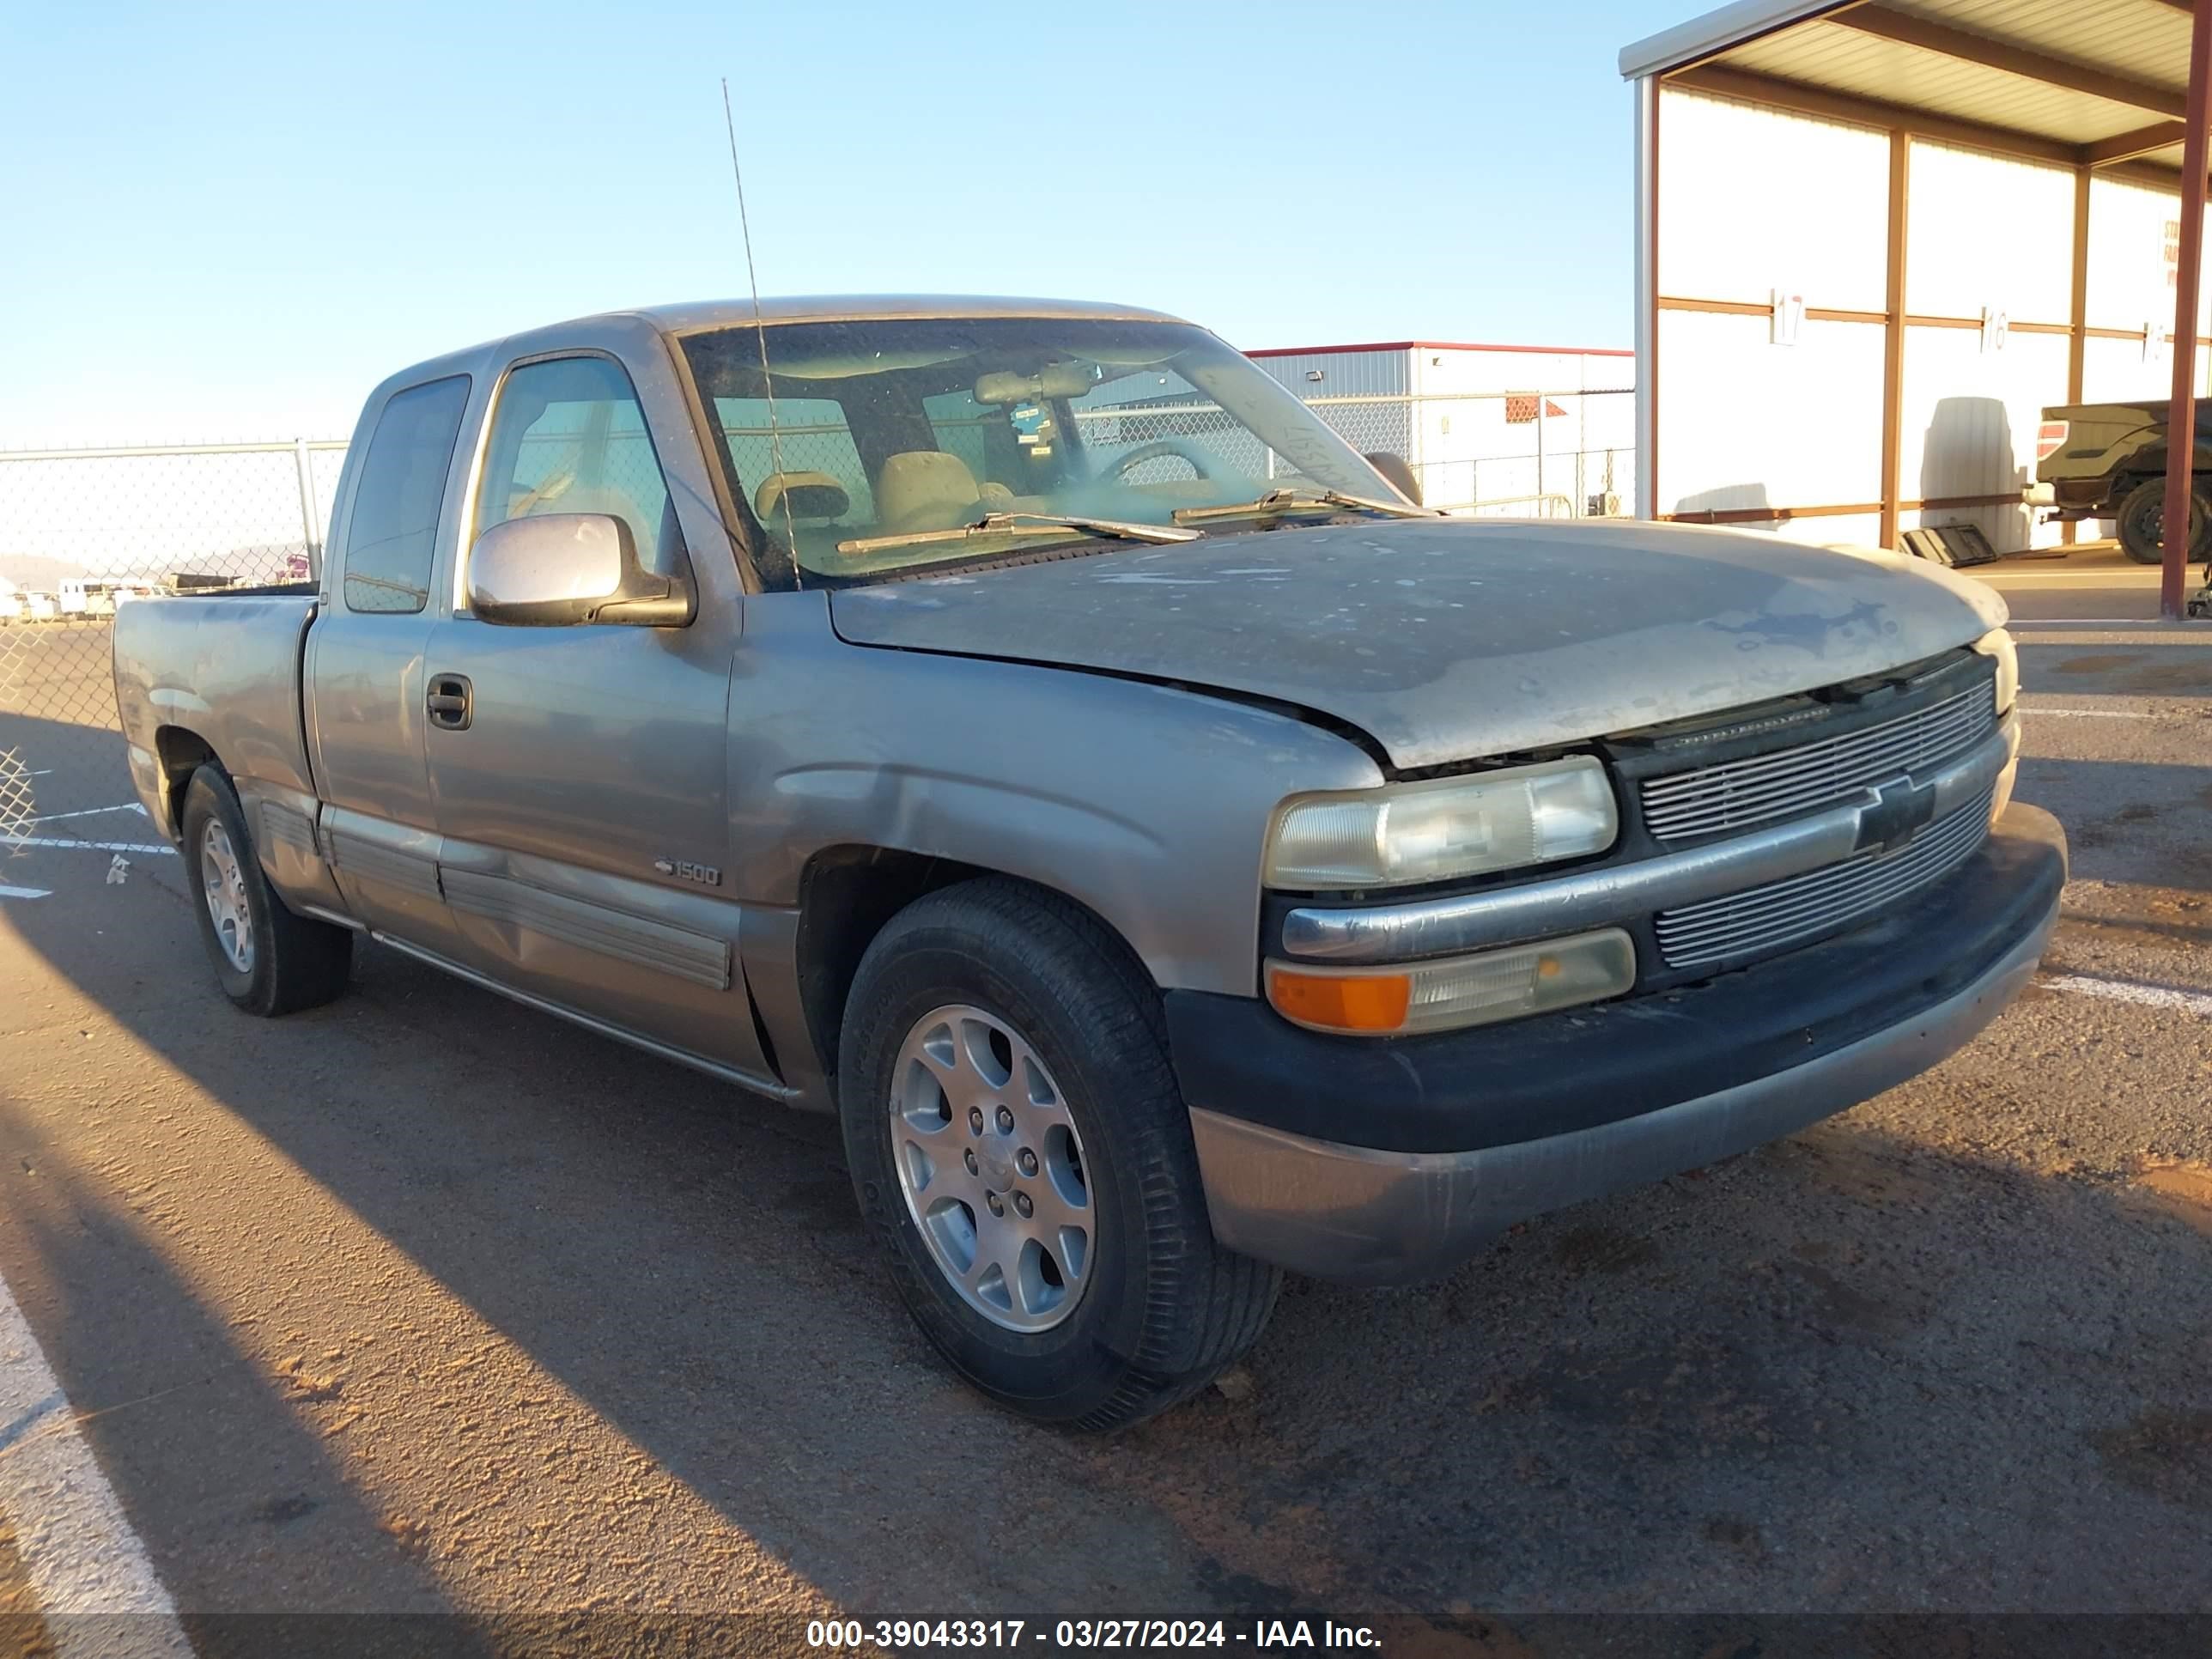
(992,1168)
(222,880)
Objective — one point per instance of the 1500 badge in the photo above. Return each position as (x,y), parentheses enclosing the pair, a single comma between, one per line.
(705,874)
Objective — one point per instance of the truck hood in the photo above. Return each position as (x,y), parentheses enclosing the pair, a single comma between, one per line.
(1450,640)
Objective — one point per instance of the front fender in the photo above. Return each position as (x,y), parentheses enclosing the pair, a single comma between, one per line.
(1148,804)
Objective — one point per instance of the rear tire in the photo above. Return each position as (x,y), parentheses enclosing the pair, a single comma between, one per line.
(267,960)
(1047,1000)
(2143,514)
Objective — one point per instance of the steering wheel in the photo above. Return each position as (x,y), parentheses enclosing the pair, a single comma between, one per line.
(1199,460)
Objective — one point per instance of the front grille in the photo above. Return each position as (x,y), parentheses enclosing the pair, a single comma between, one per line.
(1760,919)
(1736,795)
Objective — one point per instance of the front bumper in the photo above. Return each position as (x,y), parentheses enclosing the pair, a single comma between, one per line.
(1380,1163)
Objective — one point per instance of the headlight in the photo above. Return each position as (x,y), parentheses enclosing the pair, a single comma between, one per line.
(1998,643)
(1447,827)
(1458,991)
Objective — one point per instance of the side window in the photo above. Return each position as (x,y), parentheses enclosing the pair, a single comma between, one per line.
(394,529)
(983,437)
(1157,408)
(568,436)
(814,439)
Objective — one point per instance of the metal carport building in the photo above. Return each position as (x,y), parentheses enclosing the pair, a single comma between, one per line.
(1874,238)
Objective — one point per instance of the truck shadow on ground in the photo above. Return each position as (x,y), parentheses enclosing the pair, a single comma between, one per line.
(1902,1360)
(141,1357)
(2144,823)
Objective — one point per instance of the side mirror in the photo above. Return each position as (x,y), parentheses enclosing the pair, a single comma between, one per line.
(1393,467)
(560,569)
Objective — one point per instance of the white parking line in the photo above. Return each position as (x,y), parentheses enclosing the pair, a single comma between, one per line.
(7,892)
(2094,714)
(85,846)
(2128,990)
(90,812)
(2104,576)
(84,1565)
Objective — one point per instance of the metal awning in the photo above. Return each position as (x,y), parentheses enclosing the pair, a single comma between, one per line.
(2103,85)
(2081,82)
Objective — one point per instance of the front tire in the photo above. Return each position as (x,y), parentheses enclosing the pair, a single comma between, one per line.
(267,960)
(1022,1153)
(2143,519)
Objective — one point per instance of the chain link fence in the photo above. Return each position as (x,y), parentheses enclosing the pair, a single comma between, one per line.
(1563,454)
(1511,454)
(84,531)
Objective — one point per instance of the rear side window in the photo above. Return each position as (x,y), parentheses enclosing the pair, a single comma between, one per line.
(812,437)
(394,531)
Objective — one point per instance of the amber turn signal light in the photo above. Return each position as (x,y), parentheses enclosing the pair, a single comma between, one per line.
(1340,1002)
(1444,995)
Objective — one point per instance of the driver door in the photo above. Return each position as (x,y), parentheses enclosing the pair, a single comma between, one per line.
(580,783)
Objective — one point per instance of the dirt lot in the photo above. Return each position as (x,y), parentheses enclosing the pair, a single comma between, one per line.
(427,1304)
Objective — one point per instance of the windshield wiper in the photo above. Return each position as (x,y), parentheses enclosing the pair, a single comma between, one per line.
(1303,501)
(1023,524)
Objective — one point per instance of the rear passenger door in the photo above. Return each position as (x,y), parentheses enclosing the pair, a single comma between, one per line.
(364,673)
(582,803)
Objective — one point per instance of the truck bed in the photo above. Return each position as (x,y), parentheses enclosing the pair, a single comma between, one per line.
(2151,411)
(258,590)
(2104,450)
(224,665)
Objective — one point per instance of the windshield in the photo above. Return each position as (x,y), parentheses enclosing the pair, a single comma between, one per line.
(888,430)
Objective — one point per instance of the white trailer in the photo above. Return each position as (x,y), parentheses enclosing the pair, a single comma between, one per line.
(1536,431)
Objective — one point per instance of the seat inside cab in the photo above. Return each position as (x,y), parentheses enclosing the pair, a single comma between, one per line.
(934,489)
(856,452)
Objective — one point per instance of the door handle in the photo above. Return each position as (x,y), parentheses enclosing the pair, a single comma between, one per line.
(451,701)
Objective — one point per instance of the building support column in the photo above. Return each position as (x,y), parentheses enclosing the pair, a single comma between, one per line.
(1892,345)
(2077,341)
(1647,297)
(2181,419)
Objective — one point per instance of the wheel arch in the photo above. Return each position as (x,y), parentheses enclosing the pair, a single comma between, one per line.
(849,893)
(180,751)
(2148,466)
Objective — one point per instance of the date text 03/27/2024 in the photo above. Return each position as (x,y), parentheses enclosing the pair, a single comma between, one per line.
(1086,1634)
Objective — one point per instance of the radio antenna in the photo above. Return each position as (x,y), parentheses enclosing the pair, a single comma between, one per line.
(760,333)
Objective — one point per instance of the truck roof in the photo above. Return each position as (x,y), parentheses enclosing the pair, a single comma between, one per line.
(853,307)
(694,316)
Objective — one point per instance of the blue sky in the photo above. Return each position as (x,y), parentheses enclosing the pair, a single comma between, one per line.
(229,221)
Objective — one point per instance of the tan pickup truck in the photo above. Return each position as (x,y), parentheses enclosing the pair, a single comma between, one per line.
(1024,729)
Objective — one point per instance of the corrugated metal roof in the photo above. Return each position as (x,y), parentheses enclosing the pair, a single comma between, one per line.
(1841,59)
(2063,72)
(2153,46)
(1716,31)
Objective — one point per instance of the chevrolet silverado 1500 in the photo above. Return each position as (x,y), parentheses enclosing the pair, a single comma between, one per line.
(1026,731)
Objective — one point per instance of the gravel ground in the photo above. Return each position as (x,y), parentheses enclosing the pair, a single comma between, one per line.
(423,1303)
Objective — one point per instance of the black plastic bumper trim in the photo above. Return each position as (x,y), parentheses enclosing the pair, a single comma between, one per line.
(1496,1085)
